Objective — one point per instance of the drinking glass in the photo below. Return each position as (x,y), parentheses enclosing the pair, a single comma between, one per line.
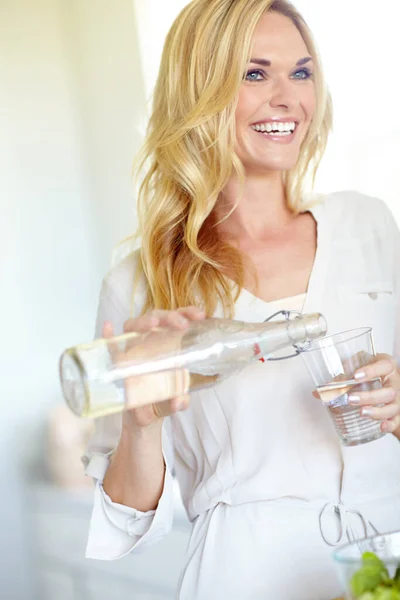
(332,363)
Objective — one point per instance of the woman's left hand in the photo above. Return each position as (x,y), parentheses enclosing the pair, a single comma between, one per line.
(388,396)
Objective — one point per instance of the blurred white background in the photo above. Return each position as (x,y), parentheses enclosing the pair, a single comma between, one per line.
(75,78)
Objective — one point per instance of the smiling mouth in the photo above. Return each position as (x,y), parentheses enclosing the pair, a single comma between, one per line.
(276,129)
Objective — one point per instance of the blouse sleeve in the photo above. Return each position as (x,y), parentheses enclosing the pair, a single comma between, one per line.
(117,530)
(393,232)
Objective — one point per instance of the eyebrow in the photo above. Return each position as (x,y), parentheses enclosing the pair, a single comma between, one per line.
(267,63)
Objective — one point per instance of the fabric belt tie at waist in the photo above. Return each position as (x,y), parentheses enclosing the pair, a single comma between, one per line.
(343,513)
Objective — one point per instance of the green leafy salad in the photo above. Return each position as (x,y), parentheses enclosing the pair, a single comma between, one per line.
(372,581)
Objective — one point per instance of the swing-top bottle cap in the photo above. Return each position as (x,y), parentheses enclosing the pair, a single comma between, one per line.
(308,327)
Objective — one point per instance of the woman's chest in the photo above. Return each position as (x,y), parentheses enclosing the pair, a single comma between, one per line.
(283,265)
(359,289)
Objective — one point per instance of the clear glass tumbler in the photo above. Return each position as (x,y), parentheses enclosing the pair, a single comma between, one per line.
(369,569)
(332,363)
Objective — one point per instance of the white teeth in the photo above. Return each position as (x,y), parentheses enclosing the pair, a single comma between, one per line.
(275,127)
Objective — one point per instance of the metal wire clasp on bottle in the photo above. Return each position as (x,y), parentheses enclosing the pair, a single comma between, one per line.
(299,348)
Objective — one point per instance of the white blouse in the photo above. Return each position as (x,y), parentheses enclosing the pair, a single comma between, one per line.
(262,473)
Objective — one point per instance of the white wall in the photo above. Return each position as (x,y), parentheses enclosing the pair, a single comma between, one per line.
(46,254)
(359,46)
(154,19)
(70,92)
(109,82)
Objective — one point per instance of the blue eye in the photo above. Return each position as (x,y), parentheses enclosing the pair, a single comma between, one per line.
(254,75)
(302,74)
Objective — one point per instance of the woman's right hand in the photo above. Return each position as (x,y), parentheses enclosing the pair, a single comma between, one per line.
(151,415)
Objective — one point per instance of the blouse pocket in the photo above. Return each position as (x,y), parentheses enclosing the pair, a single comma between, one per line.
(371,304)
(381,291)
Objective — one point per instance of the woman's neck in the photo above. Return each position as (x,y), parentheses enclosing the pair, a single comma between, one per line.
(261,207)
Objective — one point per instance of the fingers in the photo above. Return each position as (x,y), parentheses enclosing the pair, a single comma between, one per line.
(379,405)
(193,313)
(180,403)
(384,395)
(356,362)
(170,407)
(384,366)
(141,324)
(381,413)
(144,392)
(108,329)
(164,318)
(152,388)
(172,319)
(108,332)
(391,425)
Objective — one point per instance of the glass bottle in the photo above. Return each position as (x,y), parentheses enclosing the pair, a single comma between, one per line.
(109,375)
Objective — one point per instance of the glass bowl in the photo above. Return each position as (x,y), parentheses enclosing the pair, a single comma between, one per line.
(370,568)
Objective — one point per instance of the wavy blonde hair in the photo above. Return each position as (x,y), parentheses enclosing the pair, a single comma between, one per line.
(188,156)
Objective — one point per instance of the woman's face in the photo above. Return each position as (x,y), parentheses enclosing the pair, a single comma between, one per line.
(277,101)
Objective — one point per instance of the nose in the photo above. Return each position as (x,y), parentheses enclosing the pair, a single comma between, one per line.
(283,94)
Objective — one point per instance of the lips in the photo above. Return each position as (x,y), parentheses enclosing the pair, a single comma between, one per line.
(277,131)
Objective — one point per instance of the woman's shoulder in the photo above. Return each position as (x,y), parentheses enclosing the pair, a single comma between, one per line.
(125,285)
(123,268)
(353,202)
(355,211)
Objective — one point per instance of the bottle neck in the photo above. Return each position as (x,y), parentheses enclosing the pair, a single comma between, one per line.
(275,336)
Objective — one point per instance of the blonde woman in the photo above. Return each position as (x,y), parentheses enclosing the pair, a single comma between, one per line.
(240,123)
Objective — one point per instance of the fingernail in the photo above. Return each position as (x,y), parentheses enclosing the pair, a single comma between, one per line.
(385,427)
(367,412)
(353,399)
(182,321)
(360,375)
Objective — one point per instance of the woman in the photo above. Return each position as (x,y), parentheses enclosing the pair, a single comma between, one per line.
(241,119)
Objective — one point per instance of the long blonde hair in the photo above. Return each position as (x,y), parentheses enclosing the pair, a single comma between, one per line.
(189,155)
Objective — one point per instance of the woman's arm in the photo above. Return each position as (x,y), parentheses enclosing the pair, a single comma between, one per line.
(135,477)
